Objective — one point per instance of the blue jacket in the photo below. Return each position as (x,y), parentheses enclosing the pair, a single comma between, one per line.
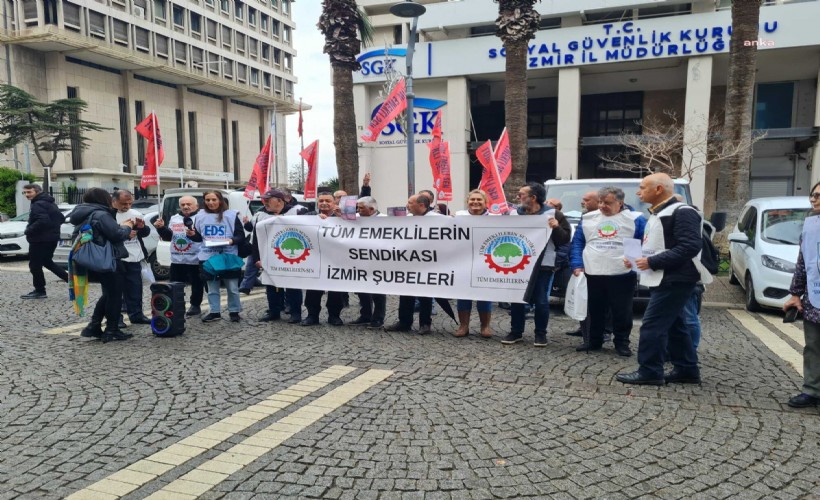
(576,253)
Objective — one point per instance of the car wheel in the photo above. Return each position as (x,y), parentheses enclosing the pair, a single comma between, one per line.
(751,302)
(161,273)
(732,278)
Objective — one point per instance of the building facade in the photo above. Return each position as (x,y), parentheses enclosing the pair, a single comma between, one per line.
(595,68)
(215,72)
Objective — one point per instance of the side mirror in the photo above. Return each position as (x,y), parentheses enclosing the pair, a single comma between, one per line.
(718,220)
(739,238)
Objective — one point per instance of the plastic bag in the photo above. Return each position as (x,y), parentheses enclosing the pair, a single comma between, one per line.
(575,300)
(147,273)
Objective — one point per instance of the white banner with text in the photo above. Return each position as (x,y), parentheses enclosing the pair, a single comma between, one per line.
(465,257)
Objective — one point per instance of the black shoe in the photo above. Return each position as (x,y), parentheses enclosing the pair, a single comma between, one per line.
(234,317)
(680,377)
(270,317)
(211,317)
(310,321)
(109,335)
(804,400)
(93,329)
(35,295)
(121,323)
(512,338)
(140,320)
(540,340)
(575,333)
(294,319)
(623,350)
(637,378)
(586,347)
(193,311)
(246,291)
(398,327)
(425,329)
(335,321)
(375,325)
(360,321)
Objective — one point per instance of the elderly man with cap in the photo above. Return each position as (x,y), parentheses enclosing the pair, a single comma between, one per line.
(274,205)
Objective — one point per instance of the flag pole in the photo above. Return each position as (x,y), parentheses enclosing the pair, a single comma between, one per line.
(272,151)
(156,153)
(302,141)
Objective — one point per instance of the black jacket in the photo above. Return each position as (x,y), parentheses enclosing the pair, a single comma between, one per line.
(682,239)
(104,224)
(44,220)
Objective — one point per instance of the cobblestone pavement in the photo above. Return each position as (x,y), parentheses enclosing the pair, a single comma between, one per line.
(457,418)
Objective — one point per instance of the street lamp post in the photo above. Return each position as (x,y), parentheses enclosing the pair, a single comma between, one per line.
(411,10)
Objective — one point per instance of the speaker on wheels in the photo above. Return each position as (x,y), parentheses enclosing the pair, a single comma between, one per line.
(168,309)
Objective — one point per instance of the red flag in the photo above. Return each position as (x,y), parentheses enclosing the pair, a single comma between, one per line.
(445,191)
(395,103)
(259,174)
(435,153)
(437,126)
(299,130)
(154,156)
(310,154)
(503,156)
(491,180)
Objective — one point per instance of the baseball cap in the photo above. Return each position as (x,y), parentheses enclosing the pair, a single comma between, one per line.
(275,193)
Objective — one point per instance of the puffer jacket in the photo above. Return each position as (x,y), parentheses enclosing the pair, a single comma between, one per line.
(44,220)
(104,224)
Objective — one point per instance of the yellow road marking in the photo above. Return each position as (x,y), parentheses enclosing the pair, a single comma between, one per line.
(216,470)
(788,329)
(775,344)
(74,329)
(142,472)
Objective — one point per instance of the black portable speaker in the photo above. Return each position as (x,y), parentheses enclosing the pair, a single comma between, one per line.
(168,309)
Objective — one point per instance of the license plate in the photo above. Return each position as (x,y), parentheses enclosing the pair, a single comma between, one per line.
(66,243)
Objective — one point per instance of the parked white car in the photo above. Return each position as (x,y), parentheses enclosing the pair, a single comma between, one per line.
(763,248)
(13,236)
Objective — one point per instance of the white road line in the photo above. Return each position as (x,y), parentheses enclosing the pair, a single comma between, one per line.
(775,344)
(146,470)
(788,329)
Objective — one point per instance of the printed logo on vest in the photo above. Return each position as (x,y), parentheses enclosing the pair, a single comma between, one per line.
(181,244)
(608,229)
(291,246)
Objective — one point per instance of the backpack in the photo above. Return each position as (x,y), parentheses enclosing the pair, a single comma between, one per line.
(709,256)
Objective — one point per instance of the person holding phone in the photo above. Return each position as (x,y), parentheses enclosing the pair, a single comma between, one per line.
(806,299)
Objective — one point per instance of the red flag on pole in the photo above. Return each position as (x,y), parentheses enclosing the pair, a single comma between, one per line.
(395,103)
(259,174)
(299,130)
(503,156)
(435,152)
(491,183)
(154,156)
(310,154)
(445,191)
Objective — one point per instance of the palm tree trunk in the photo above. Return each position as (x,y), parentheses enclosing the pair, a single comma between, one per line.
(733,182)
(344,130)
(515,114)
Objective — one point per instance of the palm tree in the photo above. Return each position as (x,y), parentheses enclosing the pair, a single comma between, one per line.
(733,181)
(340,23)
(517,23)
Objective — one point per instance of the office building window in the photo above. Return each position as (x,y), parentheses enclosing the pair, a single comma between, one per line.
(611,114)
(196,23)
(179,16)
(251,16)
(139,115)
(125,131)
(264,23)
(397,34)
(74,135)
(542,118)
(159,9)
(192,139)
(773,106)
(239,9)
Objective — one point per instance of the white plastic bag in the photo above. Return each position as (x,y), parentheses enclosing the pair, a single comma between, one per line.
(147,273)
(575,300)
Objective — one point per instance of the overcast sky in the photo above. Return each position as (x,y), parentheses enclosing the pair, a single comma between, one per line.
(312,67)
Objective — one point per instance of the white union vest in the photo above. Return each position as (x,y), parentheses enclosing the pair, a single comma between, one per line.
(183,250)
(212,229)
(604,235)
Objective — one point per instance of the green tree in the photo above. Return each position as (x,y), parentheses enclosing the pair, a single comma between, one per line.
(296,177)
(8,189)
(292,245)
(332,185)
(49,127)
(507,250)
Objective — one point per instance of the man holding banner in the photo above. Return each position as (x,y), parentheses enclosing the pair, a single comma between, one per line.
(532,198)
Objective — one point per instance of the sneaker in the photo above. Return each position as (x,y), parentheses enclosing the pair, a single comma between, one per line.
(234,317)
(398,327)
(35,295)
(193,311)
(607,337)
(804,400)
(211,317)
(540,340)
(375,325)
(360,321)
(246,291)
(512,338)
(270,317)
(425,329)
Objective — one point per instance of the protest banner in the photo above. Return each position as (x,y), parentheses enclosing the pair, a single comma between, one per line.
(476,258)
(503,156)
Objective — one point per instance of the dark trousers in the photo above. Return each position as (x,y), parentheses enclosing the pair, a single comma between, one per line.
(540,299)
(277,297)
(407,306)
(40,256)
(110,302)
(613,293)
(190,273)
(132,289)
(313,303)
(664,329)
(372,306)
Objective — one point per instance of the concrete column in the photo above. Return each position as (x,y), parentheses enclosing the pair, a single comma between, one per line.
(815,154)
(131,119)
(456,130)
(181,91)
(226,115)
(569,120)
(696,124)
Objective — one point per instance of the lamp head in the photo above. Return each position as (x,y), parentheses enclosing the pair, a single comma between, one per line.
(408,9)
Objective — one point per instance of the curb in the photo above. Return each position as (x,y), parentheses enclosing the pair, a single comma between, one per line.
(723,305)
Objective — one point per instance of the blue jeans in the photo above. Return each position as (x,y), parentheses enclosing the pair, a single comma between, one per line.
(481,306)
(249,279)
(540,299)
(664,329)
(690,314)
(232,286)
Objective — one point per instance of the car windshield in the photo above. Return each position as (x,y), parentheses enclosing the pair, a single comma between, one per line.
(170,205)
(571,194)
(20,218)
(784,225)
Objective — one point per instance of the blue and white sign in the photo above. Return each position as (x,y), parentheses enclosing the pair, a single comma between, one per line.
(376,61)
(424,118)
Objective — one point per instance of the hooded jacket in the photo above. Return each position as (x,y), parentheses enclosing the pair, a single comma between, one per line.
(44,220)
(104,225)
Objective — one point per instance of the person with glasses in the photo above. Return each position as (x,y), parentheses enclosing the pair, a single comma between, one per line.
(532,201)
(806,299)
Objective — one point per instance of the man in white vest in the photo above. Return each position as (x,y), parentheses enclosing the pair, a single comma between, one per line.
(598,252)
(132,278)
(670,268)
(184,261)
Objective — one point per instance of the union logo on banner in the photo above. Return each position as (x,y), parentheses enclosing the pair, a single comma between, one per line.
(506,253)
(291,246)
